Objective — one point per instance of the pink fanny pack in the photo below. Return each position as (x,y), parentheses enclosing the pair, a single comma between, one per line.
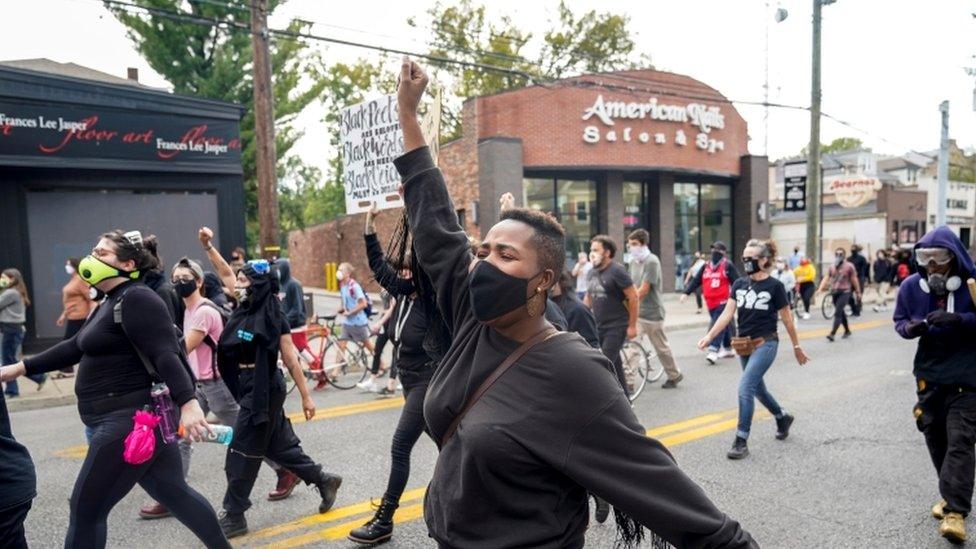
(141,442)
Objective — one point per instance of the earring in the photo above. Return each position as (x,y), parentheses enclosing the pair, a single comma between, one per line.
(535,305)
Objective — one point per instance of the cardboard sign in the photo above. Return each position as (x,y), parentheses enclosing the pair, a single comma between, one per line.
(371,139)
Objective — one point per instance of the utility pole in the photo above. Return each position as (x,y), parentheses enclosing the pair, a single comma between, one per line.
(940,216)
(264,139)
(814,245)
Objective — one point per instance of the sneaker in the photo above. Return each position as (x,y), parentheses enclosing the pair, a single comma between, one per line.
(365,384)
(846,335)
(153,511)
(385,392)
(399,386)
(672,383)
(953,527)
(726,353)
(233,525)
(830,338)
(739,449)
(783,426)
(602,510)
(287,481)
(711,357)
(379,529)
(321,385)
(328,486)
(805,316)
(938,510)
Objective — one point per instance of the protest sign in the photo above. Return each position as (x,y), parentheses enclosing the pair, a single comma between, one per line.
(370,137)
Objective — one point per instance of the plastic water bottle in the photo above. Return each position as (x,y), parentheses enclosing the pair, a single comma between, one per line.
(221,434)
(169,418)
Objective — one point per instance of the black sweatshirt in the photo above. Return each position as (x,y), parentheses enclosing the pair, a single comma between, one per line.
(555,426)
(107,362)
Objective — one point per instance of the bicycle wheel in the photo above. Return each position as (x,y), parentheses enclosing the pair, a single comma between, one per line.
(654,368)
(346,372)
(827,306)
(635,364)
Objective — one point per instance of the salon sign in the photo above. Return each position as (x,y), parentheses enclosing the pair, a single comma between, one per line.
(692,123)
(851,193)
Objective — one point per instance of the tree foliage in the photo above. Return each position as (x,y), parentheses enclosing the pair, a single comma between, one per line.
(839,145)
(592,42)
(215,62)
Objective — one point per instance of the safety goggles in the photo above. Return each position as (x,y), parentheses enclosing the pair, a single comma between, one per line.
(939,256)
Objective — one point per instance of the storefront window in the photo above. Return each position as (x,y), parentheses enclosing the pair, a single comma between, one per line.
(702,215)
(634,209)
(573,202)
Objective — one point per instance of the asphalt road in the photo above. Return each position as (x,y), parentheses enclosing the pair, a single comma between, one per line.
(854,472)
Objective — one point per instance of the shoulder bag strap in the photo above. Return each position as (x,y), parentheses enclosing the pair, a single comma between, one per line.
(483,388)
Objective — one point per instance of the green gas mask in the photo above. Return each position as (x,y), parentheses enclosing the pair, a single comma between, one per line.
(93,270)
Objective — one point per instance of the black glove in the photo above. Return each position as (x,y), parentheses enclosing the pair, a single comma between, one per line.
(942,318)
(916,328)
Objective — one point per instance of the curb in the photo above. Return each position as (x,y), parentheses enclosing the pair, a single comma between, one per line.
(27,404)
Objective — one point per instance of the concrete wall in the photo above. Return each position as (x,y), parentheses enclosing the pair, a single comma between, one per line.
(747,195)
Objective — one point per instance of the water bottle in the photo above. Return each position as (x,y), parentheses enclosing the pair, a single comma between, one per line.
(221,434)
(169,417)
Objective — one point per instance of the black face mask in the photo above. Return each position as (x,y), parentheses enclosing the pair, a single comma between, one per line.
(717,256)
(751,266)
(495,293)
(185,288)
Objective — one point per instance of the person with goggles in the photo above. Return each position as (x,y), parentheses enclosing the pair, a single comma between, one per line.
(844,285)
(934,306)
(113,383)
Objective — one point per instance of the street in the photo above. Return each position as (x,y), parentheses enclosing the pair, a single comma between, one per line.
(854,472)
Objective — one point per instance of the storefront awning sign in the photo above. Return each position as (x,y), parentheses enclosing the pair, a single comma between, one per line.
(851,193)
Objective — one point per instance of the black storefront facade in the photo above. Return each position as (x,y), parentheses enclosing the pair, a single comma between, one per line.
(80,157)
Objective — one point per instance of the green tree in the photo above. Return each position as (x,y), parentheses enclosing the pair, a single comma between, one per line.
(841,144)
(593,42)
(215,62)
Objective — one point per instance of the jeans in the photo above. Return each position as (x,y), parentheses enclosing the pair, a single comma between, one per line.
(752,386)
(947,418)
(724,339)
(13,337)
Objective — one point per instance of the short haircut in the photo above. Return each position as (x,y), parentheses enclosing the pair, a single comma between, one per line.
(549,237)
(347,267)
(641,236)
(608,244)
(768,247)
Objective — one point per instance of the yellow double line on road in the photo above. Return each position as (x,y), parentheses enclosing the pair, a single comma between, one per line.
(78,452)
(671,435)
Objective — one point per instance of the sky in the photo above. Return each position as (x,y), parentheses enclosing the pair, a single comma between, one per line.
(887,64)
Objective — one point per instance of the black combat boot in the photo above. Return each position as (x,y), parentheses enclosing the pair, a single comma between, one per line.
(328,485)
(233,525)
(379,529)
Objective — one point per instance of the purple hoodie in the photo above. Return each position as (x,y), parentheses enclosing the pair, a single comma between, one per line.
(947,354)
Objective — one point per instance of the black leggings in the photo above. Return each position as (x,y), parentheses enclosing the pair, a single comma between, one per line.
(408,431)
(105,478)
(611,342)
(381,341)
(840,314)
(807,290)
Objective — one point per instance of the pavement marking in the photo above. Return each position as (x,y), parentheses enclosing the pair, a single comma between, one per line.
(333,514)
(350,409)
(810,334)
(679,432)
(73,452)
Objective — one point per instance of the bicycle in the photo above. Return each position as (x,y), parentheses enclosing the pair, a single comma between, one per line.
(323,355)
(640,364)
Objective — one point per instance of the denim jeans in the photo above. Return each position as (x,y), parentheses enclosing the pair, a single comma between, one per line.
(724,339)
(13,337)
(752,386)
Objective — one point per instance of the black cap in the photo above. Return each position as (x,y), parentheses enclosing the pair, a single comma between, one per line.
(719,245)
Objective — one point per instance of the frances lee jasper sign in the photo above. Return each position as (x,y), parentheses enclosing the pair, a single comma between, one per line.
(82,132)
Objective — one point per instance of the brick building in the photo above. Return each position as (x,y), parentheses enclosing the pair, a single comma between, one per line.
(605,153)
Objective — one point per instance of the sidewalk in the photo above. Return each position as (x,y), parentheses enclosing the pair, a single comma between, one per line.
(61,392)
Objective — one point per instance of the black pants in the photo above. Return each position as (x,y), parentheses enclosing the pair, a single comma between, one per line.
(947,418)
(611,342)
(698,297)
(105,478)
(12,526)
(807,289)
(408,431)
(841,299)
(381,340)
(274,439)
(71,328)
(856,303)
